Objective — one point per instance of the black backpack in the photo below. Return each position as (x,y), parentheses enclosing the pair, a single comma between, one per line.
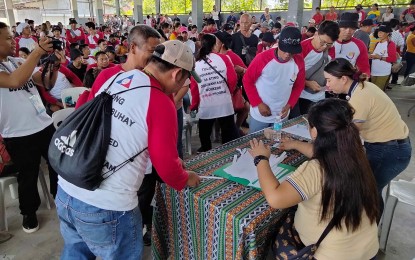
(79,146)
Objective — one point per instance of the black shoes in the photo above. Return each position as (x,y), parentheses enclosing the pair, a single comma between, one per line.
(30,223)
(147,238)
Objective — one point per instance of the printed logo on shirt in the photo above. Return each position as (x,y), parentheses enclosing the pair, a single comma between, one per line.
(126,82)
(65,143)
(293,77)
(28,85)
(350,55)
(382,53)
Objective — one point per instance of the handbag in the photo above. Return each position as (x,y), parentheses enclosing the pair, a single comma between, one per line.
(4,155)
(248,51)
(288,244)
(316,72)
(237,98)
(79,146)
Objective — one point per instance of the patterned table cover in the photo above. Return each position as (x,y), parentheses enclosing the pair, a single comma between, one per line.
(219,219)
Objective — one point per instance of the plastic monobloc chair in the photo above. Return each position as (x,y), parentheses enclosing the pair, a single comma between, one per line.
(399,191)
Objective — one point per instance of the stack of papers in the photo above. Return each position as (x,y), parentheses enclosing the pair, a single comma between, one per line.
(243,170)
(298,130)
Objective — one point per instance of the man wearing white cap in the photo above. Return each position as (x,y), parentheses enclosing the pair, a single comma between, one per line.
(106,222)
(25,39)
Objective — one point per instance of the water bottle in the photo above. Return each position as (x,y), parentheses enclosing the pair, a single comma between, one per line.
(277,128)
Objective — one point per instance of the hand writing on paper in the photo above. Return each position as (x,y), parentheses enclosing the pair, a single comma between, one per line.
(264,109)
(193,180)
(288,144)
(259,148)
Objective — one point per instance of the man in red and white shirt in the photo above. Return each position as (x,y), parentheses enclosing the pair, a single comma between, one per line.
(74,34)
(93,37)
(136,125)
(274,80)
(315,54)
(318,17)
(25,39)
(348,47)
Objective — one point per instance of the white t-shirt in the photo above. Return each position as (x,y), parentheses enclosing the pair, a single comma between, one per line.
(18,116)
(387,18)
(215,97)
(61,83)
(190,20)
(380,67)
(191,45)
(215,15)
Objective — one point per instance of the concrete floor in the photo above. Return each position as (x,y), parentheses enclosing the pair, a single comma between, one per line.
(47,242)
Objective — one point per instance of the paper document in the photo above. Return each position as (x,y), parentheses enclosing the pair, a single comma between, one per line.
(299,130)
(244,171)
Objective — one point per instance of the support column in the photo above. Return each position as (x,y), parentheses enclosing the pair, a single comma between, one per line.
(217,4)
(316,3)
(197,13)
(10,12)
(138,11)
(295,11)
(75,9)
(158,7)
(100,12)
(117,7)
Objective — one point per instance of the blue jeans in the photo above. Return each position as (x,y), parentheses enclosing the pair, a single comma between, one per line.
(387,161)
(255,125)
(89,231)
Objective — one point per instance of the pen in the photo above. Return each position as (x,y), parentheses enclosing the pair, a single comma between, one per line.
(211,177)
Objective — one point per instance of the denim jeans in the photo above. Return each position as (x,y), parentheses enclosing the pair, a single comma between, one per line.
(255,125)
(89,231)
(387,161)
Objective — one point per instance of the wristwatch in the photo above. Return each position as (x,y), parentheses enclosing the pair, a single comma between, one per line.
(259,158)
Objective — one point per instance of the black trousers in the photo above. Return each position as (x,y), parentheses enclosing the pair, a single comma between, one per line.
(227,127)
(301,108)
(26,152)
(145,196)
(410,63)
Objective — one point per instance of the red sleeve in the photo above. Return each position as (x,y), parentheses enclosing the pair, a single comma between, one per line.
(231,75)
(253,73)
(71,76)
(162,144)
(46,96)
(332,52)
(83,98)
(392,57)
(259,48)
(194,91)
(17,46)
(299,83)
(362,61)
(90,66)
(236,60)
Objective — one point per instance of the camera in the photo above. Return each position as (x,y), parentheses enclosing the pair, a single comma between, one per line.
(56,44)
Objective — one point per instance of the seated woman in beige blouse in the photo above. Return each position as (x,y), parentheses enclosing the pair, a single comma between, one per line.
(336,183)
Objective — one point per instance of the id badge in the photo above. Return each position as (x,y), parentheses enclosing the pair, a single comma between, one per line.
(37,103)
(244,51)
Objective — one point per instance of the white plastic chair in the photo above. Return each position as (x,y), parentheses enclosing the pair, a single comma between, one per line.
(71,94)
(11,182)
(402,191)
(61,115)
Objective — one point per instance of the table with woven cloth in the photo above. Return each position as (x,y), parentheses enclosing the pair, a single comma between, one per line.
(219,219)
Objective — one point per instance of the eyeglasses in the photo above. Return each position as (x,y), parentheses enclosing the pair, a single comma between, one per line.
(323,43)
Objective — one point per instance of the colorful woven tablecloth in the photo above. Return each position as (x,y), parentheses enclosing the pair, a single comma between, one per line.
(219,219)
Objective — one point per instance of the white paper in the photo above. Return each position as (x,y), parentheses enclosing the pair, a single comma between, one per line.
(245,168)
(299,130)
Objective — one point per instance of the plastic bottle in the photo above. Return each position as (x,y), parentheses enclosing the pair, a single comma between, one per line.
(277,128)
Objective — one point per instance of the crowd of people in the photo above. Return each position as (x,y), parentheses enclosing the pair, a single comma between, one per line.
(335,70)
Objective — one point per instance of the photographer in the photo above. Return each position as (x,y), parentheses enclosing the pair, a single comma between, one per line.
(24,124)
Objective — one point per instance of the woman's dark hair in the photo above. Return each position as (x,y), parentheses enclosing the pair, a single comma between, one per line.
(90,77)
(3,25)
(25,50)
(348,186)
(208,42)
(329,28)
(376,5)
(340,67)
